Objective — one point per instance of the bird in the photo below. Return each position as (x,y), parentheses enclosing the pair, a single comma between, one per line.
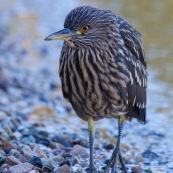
(103,72)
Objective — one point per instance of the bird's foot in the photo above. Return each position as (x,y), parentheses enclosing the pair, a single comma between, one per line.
(92,170)
(113,163)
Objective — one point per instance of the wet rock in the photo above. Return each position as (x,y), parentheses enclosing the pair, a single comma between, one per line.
(20,168)
(80,151)
(11,160)
(64,169)
(28,153)
(136,169)
(170,165)
(150,155)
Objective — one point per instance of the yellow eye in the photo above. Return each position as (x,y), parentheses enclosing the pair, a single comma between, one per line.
(84,29)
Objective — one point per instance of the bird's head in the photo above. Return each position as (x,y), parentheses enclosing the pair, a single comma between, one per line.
(86,26)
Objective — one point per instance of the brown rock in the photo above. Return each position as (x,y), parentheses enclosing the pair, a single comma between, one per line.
(20,168)
(7,144)
(64,169)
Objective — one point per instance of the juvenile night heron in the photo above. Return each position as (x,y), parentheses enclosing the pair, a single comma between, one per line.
(103,71)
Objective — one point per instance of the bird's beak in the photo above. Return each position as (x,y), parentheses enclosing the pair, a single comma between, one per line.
(64,34)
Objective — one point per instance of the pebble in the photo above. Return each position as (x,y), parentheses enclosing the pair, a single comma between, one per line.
(64,169)
(33,171)
(28,139)
(80,151)
(16,135)
(21,158)
(47,163)
(11,160)
(3,116)
(170,165)
(2,160)
(28,153)
(2,153)
(14,152)
(150,155)
(136,169)
(60,140)
(40,152)
(108,146)
(7,129)
(7,144)
(20,168)
(36,161)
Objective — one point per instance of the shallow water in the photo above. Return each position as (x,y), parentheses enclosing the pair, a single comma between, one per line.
(25,24)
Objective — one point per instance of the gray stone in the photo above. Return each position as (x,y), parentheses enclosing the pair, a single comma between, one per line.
(7,129)
(2,153)
(33,171)
(7,144)
(16,135)
(13,152)
(21,158)
(137,169)
(3,115)
(28,153)
(79,151)
(20,168)
(170,165)
(28,139)
(47,163)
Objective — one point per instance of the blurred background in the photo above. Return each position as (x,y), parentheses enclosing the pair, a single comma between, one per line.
(30,85)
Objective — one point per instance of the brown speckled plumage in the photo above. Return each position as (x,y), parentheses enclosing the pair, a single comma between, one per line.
(104,73)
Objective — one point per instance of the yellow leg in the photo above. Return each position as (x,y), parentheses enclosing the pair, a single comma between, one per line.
(91,131)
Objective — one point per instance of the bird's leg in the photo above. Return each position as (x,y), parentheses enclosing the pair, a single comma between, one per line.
(117,151)
(91,131)
(122,163)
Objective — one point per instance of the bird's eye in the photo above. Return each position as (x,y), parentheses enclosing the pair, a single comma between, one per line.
(84,29)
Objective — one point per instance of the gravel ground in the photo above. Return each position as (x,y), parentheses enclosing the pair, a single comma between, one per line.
(39,132)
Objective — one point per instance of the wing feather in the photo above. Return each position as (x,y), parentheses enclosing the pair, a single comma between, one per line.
(136,68)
